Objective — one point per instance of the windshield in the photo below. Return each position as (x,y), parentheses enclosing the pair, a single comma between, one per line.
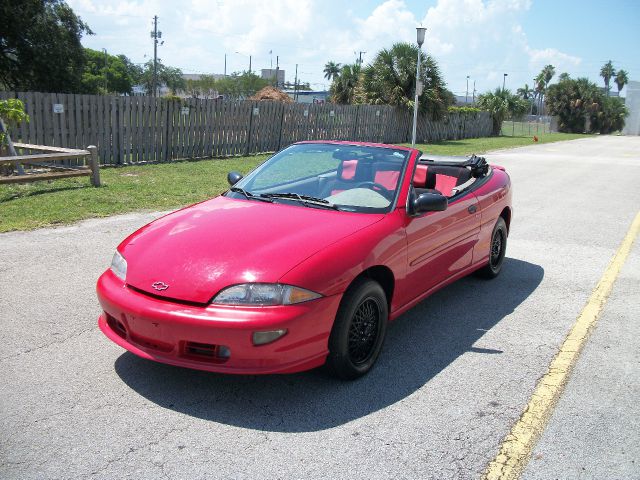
(324,175)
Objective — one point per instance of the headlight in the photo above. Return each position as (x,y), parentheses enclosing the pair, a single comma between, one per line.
(119,266)
(264,294)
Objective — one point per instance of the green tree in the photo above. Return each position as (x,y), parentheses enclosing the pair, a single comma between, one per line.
(108,73)
(525,92)
(40,46)
(622,78)
(331,70)
(240,85)
(343,87)
(11,114)
(573,101)
(547,74)
(564,76)
(610,115)
(391,80)
(169,76)
(173,79)
(607,72)
(502,104)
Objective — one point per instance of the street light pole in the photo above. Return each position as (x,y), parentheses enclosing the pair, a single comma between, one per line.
(504,79)
(106,83)
(420,39)
(155,35)
(466,95)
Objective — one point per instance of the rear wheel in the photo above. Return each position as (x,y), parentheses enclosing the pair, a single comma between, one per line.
(358,332)
(497,250)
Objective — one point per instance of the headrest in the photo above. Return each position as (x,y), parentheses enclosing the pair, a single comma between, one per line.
(420,176)
(347,170)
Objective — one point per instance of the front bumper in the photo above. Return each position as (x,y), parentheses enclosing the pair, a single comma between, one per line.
(163,331)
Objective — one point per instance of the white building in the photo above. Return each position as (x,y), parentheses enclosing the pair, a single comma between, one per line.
(632,123)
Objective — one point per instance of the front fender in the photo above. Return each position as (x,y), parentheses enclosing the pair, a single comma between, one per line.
(331,270)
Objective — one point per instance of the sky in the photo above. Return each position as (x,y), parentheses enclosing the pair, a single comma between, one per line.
(482,39)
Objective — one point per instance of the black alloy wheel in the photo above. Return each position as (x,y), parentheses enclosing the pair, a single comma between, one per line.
(364,331)
(497,250)
(358,333)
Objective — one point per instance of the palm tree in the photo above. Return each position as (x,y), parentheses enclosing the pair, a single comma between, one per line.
(525,92)
(622,78)
(548,72)
(331,70)
(343,87)
(390,79)
(500,104)
(539,90)
(564,76)
(606,72)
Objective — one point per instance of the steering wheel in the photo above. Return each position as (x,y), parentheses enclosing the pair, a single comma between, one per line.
(376,187)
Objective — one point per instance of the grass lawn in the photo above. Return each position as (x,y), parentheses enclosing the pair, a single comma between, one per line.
(167,186)
(487,144)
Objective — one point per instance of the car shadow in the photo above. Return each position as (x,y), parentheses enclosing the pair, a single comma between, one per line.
(419,345)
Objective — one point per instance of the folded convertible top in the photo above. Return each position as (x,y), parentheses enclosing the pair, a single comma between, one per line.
(478,165)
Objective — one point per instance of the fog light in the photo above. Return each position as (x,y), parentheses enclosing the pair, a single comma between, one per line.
(223,352)
(262,338)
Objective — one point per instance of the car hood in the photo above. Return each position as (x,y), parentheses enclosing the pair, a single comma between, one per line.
(193,253)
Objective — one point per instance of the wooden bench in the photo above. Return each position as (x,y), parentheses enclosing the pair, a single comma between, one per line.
(47,157)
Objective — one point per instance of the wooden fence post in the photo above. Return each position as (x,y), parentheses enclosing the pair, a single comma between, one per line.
(94,165)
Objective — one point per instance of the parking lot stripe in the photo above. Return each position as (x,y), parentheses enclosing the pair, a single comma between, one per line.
(516,448)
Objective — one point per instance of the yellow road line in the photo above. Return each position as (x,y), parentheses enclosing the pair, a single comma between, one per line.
(516,448)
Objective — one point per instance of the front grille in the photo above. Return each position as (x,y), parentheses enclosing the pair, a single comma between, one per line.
(167,299)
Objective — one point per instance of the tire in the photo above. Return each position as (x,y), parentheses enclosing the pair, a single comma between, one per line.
(358,333)
(497,250)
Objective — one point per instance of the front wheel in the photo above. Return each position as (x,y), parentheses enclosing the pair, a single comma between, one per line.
(358,332)
(497,250)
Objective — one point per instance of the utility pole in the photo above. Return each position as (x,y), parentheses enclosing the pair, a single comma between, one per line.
(504,79)
(360,58)
(277,71)
(474,92)
(295,86)
(155,35)
(106,85)
(225,64)
(249,63)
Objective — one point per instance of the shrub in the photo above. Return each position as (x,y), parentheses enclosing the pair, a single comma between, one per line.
(502,104)
(575,100)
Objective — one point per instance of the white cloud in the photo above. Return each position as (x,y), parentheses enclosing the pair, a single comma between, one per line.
(552,56)
(480,38)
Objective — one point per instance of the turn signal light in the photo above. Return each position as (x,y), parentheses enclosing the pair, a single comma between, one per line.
(262,338)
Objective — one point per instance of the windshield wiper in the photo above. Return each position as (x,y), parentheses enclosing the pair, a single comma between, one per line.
(250,195)
(304,199)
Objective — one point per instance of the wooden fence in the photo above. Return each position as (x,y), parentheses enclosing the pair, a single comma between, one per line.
(129,130)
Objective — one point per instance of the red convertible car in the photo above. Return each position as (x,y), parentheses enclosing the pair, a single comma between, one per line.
(305,260)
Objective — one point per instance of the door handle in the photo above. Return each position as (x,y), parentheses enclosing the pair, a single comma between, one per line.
(472,209)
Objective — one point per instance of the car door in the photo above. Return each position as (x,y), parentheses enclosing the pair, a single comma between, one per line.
(440,244)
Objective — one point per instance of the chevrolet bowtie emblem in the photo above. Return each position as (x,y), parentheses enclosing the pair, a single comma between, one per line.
(160,286)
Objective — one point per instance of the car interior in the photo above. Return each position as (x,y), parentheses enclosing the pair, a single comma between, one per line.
(448,177)
(370,180)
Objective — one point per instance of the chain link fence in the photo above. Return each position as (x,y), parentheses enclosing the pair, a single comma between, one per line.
(527,126)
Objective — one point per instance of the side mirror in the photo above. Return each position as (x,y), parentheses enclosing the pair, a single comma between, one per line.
(233,178)
(429,202)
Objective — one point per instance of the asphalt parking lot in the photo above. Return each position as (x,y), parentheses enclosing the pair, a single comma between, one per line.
(455,374)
